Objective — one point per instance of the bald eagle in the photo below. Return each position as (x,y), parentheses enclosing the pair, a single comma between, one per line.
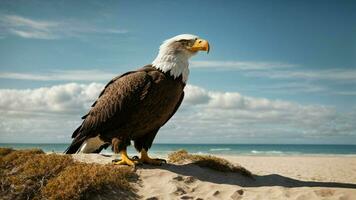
(136,104)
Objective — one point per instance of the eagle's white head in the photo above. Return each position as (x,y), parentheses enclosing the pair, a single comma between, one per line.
(175,52)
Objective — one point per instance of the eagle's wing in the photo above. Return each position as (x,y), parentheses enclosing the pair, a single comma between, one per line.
(176,108)
(119,95)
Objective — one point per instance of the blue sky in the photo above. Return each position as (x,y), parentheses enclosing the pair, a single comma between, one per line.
(296,53)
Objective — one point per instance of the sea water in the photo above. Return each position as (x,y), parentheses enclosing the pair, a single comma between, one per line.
(219,149)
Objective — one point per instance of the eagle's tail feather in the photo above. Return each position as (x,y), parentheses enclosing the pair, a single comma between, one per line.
(76,132)
(86,145)
(74,147)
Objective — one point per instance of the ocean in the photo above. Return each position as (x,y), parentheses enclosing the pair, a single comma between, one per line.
(219,149)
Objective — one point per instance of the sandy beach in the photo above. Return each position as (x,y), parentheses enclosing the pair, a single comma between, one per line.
(275,177)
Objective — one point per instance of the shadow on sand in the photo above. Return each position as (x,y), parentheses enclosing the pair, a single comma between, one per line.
(212,176)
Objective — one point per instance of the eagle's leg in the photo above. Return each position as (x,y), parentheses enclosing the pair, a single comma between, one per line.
(152,161)
(143,144)
(119,147)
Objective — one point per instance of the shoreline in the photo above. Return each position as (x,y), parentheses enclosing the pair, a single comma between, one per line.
(227,156)
(221,149)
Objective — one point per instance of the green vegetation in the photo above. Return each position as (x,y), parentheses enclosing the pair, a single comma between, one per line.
(32,174)
(208,161)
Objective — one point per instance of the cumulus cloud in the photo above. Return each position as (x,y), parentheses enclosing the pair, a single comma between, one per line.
(52,113)
(231,100)
(46,114)
(48,30)
(67,98)
(195,95)
(232,117)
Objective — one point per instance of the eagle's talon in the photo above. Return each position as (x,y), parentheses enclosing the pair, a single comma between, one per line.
(127,162)
(151,161)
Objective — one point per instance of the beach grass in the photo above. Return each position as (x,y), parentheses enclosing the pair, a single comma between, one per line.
(32,174)
(207,161)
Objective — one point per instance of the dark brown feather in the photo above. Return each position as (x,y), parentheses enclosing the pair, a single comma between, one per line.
(119,94)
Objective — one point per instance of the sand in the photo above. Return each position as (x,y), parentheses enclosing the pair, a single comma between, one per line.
(279,177)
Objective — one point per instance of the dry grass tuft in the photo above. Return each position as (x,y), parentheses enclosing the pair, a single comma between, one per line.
(208,161)
(14,158)
(83,181)
(31,174)
(25,172)
(5,151)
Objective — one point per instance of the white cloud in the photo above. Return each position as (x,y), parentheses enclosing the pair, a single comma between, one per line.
(47,114)
(28,28)
(45,29)
(67,98)
(19,21)
(195,95)
(52,113)
(232,117)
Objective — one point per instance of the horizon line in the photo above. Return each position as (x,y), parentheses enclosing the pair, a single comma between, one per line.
(204,143)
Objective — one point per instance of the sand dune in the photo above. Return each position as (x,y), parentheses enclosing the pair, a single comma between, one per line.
(307,177)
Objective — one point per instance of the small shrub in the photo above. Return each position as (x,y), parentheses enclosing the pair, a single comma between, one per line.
(208,161)
(26,171)
(18,157)
(32,174)
(82,181)
(5,151)
(179,157)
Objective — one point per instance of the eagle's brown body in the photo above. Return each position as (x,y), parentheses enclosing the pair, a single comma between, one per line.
(133,106)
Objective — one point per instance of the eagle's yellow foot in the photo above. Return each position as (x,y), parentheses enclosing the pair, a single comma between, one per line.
(125,160)
(151,161)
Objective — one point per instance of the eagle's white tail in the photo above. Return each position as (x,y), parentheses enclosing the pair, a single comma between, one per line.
(91,145)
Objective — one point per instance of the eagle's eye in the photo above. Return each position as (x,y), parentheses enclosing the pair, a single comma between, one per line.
(187,43)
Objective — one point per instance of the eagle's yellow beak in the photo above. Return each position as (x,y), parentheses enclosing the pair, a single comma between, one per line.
(200,45)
